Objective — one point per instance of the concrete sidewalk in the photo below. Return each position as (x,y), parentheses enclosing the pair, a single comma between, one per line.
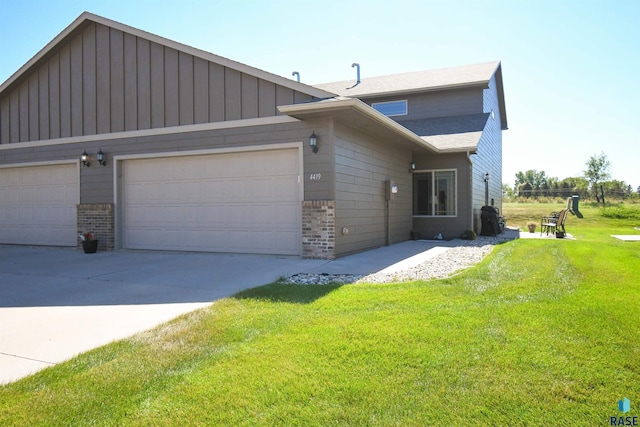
(58,302)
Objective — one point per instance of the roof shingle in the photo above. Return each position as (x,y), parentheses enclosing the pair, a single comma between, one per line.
(457,133)
(467,75)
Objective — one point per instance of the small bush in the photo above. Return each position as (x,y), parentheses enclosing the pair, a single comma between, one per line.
(468,235)
(620,212)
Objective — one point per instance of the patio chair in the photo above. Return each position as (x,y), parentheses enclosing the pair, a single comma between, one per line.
(560,224)
(551,223)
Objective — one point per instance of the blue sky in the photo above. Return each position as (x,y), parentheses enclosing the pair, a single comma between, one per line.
(571,68)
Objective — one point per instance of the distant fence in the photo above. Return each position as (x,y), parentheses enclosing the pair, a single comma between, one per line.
(611,193)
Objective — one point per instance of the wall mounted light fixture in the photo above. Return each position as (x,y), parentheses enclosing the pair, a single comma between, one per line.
(100,158)
(412,167)
(84,158)
(313,142)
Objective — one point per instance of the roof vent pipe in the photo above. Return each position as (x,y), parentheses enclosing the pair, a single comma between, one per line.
(355,64)
(297,74)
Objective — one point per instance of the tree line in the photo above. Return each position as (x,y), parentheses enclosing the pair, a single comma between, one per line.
(594,183)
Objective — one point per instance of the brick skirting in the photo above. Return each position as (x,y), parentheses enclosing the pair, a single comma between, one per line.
(97,218)
(319,229)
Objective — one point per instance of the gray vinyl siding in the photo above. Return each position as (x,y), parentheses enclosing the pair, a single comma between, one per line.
(101,80)
(449,227)
(96,182)
(489,156)
(436,104)
(319,163)
(362,165)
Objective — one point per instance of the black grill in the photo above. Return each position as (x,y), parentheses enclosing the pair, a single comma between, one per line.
(490,224)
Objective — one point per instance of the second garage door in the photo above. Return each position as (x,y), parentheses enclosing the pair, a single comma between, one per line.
(247,202)
(38,205)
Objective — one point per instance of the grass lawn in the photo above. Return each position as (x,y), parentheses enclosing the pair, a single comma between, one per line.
(542,332)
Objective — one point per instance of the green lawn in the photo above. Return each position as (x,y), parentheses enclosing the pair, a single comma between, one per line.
(542,332)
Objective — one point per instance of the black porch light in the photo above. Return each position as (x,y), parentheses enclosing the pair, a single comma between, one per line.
(100,158)
(313,142)
(84,158)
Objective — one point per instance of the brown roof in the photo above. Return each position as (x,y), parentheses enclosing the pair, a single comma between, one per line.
(419,81)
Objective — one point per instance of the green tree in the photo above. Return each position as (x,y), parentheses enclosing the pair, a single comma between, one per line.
(598,167)
(574,185)
(552,185)
(535,179)
(525,190)
(615,189)
(507,192)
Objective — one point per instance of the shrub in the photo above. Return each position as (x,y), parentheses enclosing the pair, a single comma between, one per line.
(468,235)
(620,212)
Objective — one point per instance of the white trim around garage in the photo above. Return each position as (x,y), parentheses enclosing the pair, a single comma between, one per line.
(47,163)
(118,165)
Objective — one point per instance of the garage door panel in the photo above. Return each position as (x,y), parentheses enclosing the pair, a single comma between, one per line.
(38,205)
(235,202)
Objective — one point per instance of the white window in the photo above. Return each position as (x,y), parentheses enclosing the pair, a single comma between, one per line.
(434,193)
(391,108)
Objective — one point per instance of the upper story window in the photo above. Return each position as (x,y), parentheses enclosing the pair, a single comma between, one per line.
(391,108)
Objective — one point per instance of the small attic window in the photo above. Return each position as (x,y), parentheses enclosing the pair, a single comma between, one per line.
(391,108)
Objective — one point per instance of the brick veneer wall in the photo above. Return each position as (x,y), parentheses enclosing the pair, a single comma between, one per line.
(97,218)
(319,229)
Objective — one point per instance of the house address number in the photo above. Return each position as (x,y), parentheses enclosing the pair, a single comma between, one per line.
(315,177)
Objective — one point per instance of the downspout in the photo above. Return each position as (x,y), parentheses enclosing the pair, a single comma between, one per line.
(470,192)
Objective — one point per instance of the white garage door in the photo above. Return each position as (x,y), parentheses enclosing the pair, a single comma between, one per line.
(38,205)
(247,202)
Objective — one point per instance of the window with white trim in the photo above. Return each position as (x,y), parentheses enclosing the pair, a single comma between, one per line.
(391,108)
(434,193)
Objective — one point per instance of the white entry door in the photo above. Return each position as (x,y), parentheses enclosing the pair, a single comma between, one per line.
(38,205)
(246,202)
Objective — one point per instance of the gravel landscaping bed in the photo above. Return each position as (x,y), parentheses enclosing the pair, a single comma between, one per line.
(464,255)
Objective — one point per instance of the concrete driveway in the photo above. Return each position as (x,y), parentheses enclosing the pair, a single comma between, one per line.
(58,302)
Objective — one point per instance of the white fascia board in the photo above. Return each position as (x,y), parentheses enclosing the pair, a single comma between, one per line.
(70,28)
(256,72)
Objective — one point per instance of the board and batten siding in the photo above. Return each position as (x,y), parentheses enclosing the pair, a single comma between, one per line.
(489,156)
(103,80)
(362,165)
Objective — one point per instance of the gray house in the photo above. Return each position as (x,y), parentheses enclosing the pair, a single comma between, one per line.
(152,144)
